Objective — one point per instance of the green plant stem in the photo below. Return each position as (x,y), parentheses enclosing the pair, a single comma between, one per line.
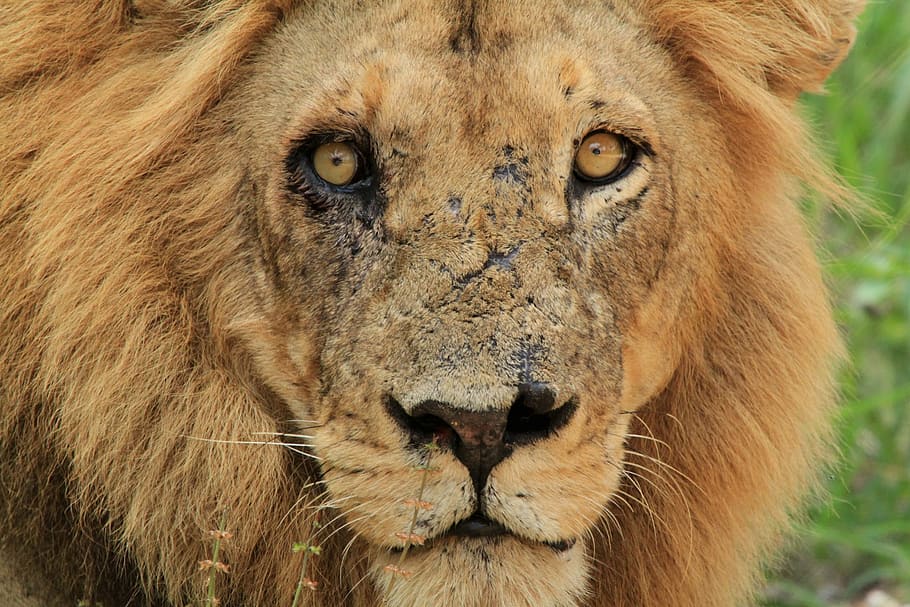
(303,567)
(213,570)
(411,528)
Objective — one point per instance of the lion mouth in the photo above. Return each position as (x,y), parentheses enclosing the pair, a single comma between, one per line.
(478,526)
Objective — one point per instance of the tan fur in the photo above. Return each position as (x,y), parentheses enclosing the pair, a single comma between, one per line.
(165,298)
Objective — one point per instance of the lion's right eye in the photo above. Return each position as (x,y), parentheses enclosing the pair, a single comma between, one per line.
(337,163)
(603,157)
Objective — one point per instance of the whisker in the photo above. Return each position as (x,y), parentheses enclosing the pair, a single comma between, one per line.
(613,520)
(334,503)
(295,447)
(311,497)
(284,434)
(667,466)
(310,423)
(643,502)
(660,489)
(648,438)
(359,582)
(348,524)
(346,550)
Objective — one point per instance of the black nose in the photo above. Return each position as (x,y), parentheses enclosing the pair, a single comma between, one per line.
(482,439)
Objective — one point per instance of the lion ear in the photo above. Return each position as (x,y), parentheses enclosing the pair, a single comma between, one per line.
(787,46)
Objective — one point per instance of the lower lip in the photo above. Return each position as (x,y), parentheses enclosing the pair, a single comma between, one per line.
(561,546)
(478,526)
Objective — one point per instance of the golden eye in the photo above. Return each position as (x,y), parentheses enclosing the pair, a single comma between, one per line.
(336,162)
(602,156)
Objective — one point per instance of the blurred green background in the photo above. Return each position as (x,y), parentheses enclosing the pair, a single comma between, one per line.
(859,537)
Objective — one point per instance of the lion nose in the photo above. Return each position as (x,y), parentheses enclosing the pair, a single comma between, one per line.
(482,439)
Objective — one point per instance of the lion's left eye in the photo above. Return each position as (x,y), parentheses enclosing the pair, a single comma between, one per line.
(603,157)
(337,163)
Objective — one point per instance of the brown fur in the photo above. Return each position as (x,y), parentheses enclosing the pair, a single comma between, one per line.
(162,289)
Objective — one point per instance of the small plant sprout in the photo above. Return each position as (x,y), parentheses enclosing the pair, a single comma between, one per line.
(309,550)
(214,566)
(409,537)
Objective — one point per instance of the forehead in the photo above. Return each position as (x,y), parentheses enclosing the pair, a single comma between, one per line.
(476,71)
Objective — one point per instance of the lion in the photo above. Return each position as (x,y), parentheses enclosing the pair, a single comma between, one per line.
(409,303)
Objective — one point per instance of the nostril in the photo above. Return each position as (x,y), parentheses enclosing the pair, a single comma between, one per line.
(434,429)
(536,396)
(532,416)
(422,429)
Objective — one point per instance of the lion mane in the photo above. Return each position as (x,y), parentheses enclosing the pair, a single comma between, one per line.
(136,367)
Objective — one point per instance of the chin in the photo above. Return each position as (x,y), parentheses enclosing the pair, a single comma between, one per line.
(504,570)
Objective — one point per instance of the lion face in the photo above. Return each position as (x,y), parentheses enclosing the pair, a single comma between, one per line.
(525,284)
(477,284)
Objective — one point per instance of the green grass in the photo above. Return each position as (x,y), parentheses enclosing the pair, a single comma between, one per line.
(861,535)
